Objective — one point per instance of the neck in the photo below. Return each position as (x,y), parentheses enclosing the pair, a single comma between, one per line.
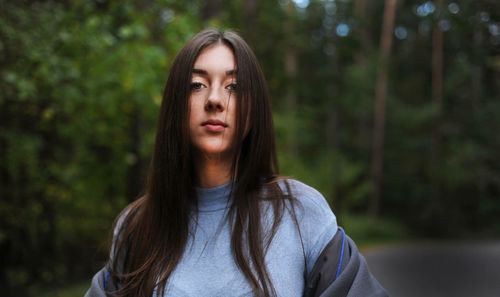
(213,171)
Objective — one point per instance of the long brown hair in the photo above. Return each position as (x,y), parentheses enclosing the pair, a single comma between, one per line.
(154,232)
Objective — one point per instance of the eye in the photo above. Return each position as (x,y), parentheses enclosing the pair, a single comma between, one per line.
(233,87)
(196,86)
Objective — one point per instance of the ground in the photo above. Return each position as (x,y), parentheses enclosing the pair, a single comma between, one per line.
(441,269)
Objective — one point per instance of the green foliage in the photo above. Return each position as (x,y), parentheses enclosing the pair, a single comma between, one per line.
(68,290)
(81,83)
(81,89)
(366,231)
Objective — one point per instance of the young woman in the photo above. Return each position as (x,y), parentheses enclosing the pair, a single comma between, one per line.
(216,219)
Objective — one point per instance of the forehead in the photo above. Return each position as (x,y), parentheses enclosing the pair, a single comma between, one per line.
(216,57)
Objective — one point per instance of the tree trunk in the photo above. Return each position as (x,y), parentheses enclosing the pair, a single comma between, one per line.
(365,47)
(249,17)
(437,100)
(380,103)
(290,63)
(332,141)
(135,170)
(361,13)
(210,9)
(477,70)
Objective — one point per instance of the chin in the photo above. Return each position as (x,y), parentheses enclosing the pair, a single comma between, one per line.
(214,151)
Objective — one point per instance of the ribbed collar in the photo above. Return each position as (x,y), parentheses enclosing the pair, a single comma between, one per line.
(214,199)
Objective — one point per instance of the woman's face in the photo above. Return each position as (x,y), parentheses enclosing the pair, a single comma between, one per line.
(212,102)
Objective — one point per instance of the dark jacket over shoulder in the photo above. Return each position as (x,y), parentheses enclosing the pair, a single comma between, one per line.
(339,271)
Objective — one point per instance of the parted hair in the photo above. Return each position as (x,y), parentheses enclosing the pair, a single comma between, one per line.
(153,231)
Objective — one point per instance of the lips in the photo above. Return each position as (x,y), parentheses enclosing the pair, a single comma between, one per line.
(214,125)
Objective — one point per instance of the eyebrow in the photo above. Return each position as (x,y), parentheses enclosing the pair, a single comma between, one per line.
(205,73)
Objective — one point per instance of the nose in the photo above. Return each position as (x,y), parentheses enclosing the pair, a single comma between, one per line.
(215,101)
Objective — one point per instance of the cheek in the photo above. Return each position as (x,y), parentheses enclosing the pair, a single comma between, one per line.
(192,119)
(193,110)
(233,109)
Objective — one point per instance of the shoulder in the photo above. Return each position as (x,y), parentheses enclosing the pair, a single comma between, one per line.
(122,223)
(316,220)
(125,216)
(309,206)
(308,198)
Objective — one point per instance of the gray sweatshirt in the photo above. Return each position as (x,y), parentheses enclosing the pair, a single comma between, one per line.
(207,267)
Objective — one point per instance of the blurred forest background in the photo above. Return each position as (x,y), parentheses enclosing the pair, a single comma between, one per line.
(390,108)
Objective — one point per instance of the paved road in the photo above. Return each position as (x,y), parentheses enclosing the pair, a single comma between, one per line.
(441,269)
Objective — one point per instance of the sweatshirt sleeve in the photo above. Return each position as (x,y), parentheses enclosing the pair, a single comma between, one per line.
(316,220)
(116,232)
(98,284)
